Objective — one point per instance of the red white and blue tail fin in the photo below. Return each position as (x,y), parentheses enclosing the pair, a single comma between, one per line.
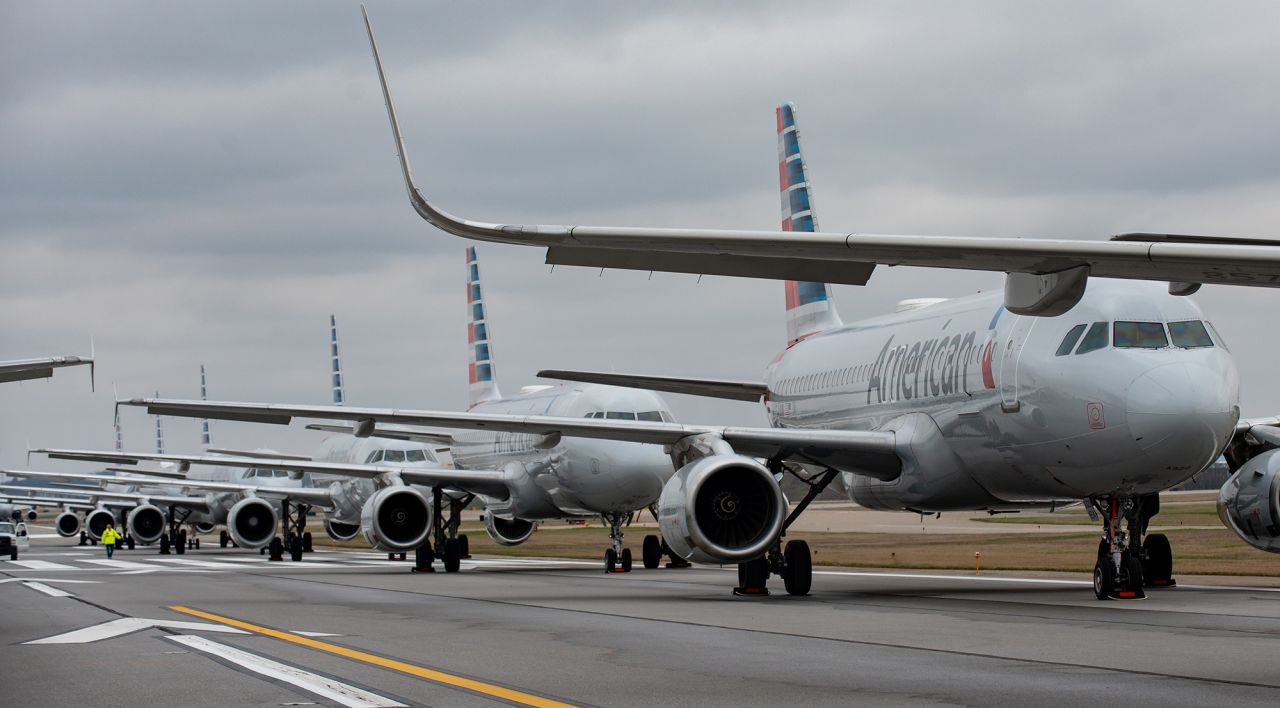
(206,440)
(483,386)
(810,308)
(339,393)
(159,433)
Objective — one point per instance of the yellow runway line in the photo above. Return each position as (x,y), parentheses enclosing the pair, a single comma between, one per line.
(488,689)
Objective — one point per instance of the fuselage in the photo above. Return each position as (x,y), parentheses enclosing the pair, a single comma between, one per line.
(1130,391)
(567,476)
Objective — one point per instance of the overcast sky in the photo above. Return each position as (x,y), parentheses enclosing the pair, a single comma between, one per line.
(206,184)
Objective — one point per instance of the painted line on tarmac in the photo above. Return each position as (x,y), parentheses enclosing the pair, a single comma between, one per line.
(440,677)
(50,591)
(971,578)
(334,690)
(129,625)
(41,565)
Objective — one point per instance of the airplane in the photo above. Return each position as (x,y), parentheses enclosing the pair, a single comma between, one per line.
(42,368)
(1063,388)
(521,479)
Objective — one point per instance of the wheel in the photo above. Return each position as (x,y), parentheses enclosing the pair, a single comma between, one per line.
(197,543)
(753,577)
(306,542)
(404,555)
(452,555)
(464,547)
(130,543)
(651,552)
(1132,585)
(164,544)
(626,560)
(610,560)
(262,551)
(423,556)
(276,548)
(295,549)
(181,544)
(391,556)
(223,538)
(797,577)
(13,555)
(1104,579)
(1157,569)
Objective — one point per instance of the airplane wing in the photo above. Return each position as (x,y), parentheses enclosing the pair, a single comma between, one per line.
(874,451)
(311,495)
(254,453)
(96,496)
(25,369)
(1046,276)
(709,388)
(46,502)
(492,483)
(389,432)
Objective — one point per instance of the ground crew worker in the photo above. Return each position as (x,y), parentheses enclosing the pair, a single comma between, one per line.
(109,538)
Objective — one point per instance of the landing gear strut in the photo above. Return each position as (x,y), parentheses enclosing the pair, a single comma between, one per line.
(1126,564)
(296,538)
(617,559)
(176,536)
(450,547)
(792,562)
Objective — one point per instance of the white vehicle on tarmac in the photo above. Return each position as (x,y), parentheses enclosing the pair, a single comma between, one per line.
(13,538)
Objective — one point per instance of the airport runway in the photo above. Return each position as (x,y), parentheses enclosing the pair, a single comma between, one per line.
(350,628)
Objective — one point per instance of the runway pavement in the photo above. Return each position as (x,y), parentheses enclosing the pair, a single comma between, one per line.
(228,627)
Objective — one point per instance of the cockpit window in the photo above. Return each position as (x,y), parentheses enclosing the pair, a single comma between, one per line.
(418,456)
(1069,341)
(1140,335)
(1095,339)
(651,416)
(620,415)
(1217,336)
(375,456)
(281,473)
(393,455)
(667,417)
(1190,334)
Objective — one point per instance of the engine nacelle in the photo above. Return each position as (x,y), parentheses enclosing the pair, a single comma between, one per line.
(252,523)
(1249,503)
(31,515)
(146,523)
(67,523)
(97,520)
(339,531)
(396,519)
(205,527)
(508,532)
(721,509)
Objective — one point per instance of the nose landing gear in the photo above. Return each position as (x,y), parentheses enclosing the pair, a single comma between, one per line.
(1127,564)
(617,559)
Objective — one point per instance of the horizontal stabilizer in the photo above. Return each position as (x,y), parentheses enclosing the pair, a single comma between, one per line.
(709,388)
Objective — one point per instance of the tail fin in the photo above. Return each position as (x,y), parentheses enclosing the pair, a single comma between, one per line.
(810,308)
(339,393)
(116,424)
(483,386)
(159,433)
(205,438)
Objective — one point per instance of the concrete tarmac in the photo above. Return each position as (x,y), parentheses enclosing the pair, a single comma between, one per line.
(538,632)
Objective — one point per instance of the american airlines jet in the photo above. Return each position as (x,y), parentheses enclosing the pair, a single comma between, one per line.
(1065,387)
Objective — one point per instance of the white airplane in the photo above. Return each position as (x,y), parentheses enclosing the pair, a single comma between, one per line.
(521,478)
(26,369)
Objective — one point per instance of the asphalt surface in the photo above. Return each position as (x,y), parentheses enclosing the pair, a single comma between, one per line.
(528,632)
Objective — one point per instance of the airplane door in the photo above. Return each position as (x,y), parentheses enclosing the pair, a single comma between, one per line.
(1010,355)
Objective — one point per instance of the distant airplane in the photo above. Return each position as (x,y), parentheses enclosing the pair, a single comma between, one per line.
(26,369)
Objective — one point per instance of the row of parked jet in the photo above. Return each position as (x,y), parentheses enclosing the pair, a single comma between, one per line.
(1092,378)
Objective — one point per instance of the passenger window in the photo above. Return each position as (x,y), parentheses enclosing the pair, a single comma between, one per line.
(620,415)
(1069,341)
(1095,339)
(1140,335)
(651,416)
(393,455)
(1189,334)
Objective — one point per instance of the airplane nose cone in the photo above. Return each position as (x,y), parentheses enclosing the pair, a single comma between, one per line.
(1181,415)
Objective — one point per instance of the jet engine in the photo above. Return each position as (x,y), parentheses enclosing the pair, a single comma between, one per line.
(67,524)
(252,523)
(1249,503)
(721,509)
(339,531)
(146,523)
(396,519)
(31,515)
(507,532)
(96,521)
(205,527)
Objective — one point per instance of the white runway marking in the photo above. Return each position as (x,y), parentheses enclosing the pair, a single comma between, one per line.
(114,563)
(50,591)
(332,689)
(47,580)
(126,625)
(316,634)
(41,565)
(221,565)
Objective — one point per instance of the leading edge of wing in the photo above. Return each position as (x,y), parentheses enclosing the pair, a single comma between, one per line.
(709,388)
(847,257)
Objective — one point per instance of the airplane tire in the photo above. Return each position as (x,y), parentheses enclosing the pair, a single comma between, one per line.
(798,575)
(1133,574)
(1104,579)
(129,542)
(223,537)
(181,545)
(452,555)
(276,548)
(1159,559)
(306,542)
(197,543)
(295,549)
(753,576)
(13,554)
(164,544)
(464,546)
(610,560)
(626,560)
(423,556)
(651,552)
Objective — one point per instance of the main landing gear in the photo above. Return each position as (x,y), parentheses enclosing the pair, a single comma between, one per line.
(792,562)
(293,526)
(175,539)
(1127,564)
(450,546)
